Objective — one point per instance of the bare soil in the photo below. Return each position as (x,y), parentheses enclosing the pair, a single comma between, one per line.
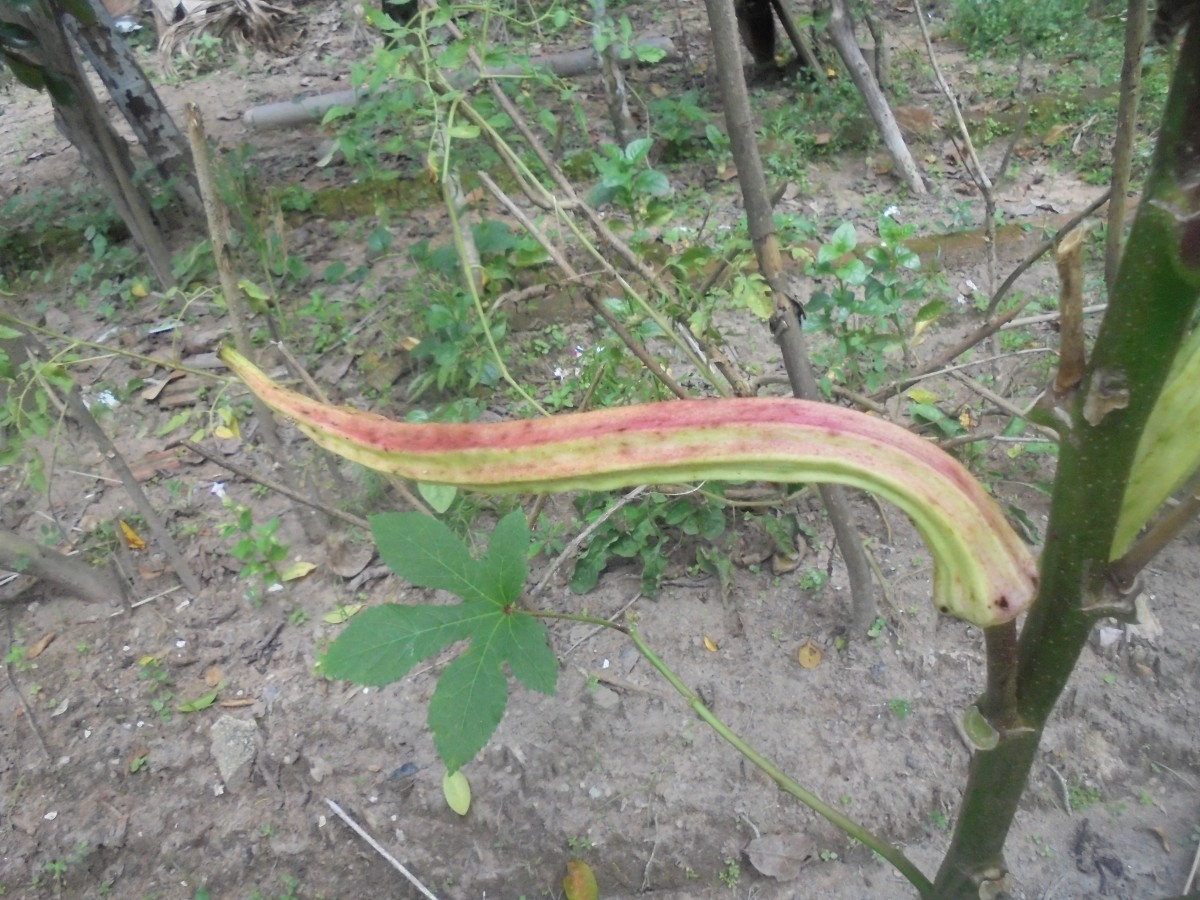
(107,789)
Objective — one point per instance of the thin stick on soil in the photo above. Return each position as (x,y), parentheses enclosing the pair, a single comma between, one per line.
(572,548)
(1043,248)
(1005,406)
(378,848)
(975,169)
(219,235)
(279,488)
(29,717)
(1187,888)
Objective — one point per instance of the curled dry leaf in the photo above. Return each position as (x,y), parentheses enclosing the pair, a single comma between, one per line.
(347,558)
(809,655)
(40,646)
(781,856)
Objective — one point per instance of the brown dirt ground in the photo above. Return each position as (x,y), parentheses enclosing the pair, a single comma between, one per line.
(614,768)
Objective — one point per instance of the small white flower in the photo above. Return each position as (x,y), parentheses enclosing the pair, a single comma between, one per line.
(218,489)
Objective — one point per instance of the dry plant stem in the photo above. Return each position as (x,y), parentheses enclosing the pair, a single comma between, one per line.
(1191,879)
(12,682)
(632,344)
(341,486)
(30,327)
(799,42)
(598,225)
(158,528)
(279,488)
(842,33)
(1042,249)
(1122,153)
(882,57)
(1125,570)
(786,322)
(218,231)
(572,548)
(1019,128)
(975,170)
(1006,406)
(615,89)
(67,573)
(1072,355)
(378,848)
(1049,317)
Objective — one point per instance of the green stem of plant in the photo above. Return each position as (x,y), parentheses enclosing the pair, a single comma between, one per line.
(470,279)
(890,853)
(1152,306)
(23,325)
(588,245)
(574,617)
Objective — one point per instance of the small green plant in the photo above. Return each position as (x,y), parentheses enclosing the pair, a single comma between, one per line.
(683,127)
(258,549)
(16,657)
(813,579)
(628,182)
(939,820)
(1044,849)
(862,304)
(731,874)
(159,679)
(900,708)
(1081,796)
(579,844)
(828,856)
(989,25)
(648,532)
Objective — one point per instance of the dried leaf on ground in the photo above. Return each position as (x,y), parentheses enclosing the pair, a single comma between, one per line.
(781,856)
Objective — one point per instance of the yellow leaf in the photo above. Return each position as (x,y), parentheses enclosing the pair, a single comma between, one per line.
(132,538)
(809,655)
(710,644)
(457,791)
(139,290)
(229,420)
(40,647)
(922,395)
(967,420)
(341,614)
(224,433)
(297,570)
(580,883)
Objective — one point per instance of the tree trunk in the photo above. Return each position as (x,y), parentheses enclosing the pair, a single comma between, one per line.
(841,31)
(786,322)
(134,95)
(67,573)
(80,118)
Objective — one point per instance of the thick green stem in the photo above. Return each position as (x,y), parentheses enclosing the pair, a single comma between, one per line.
(892,854)
(1152,308)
